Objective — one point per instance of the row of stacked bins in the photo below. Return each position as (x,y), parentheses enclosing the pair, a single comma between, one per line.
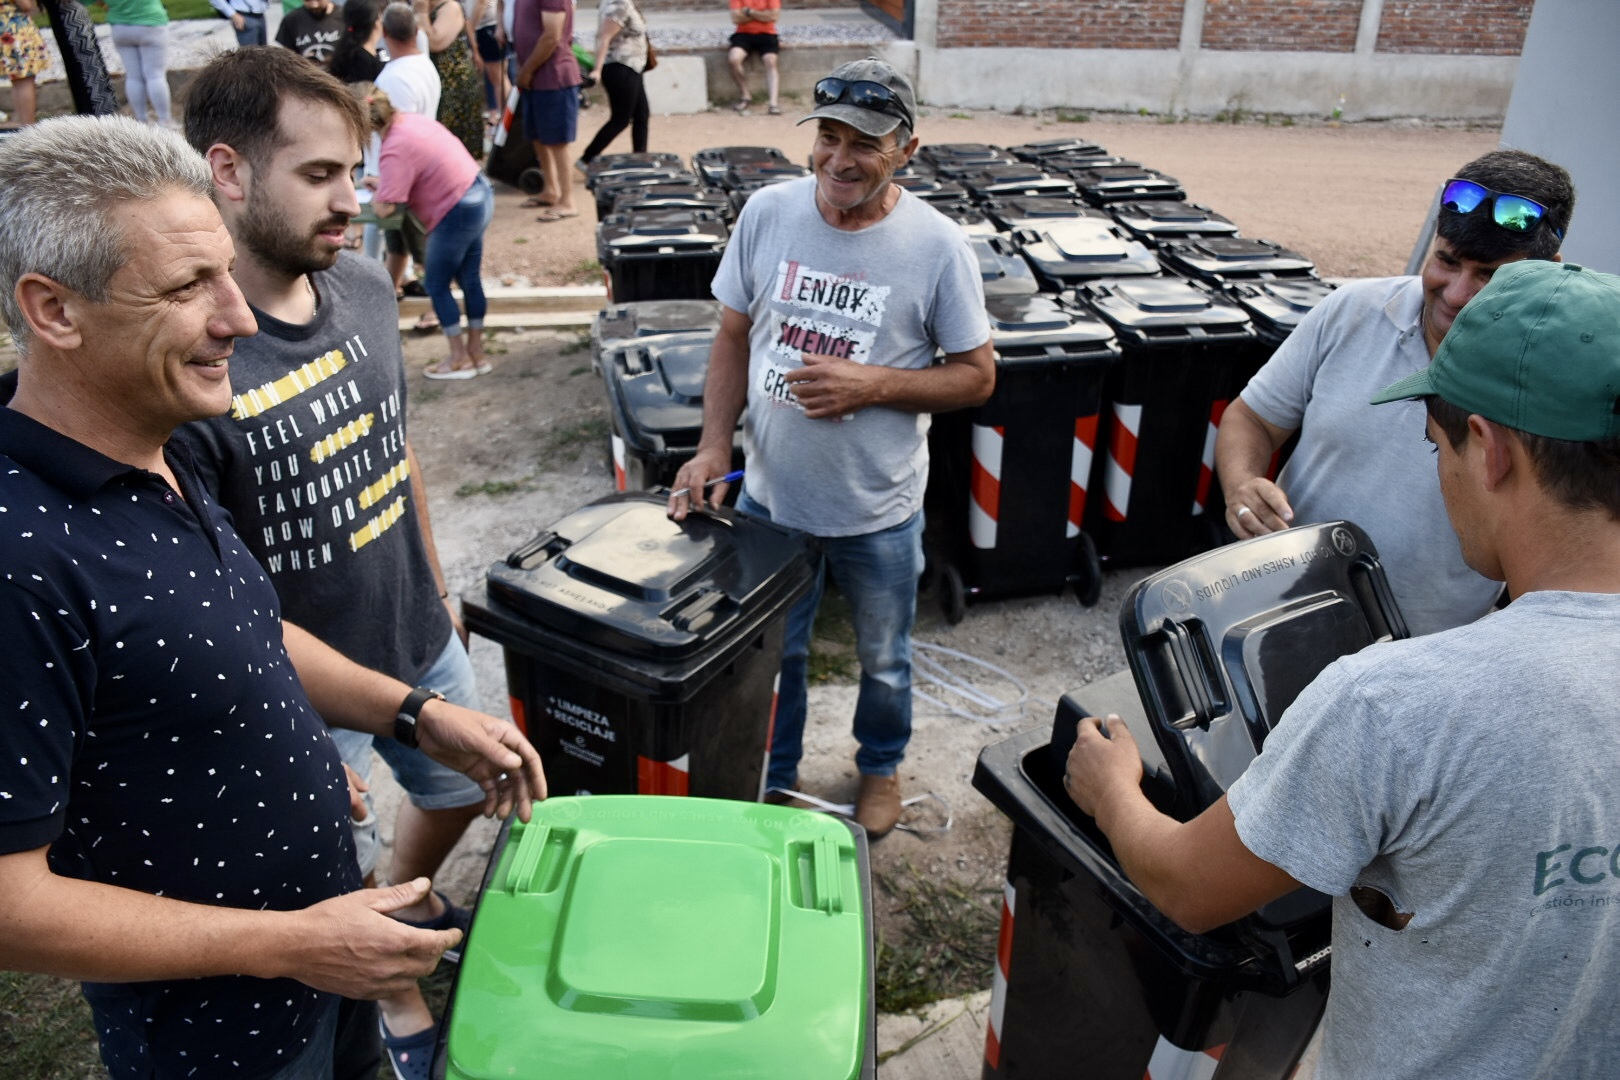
(1091,978)
(1155,312)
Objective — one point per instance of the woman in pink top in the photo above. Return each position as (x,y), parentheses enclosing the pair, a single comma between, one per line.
(425,166)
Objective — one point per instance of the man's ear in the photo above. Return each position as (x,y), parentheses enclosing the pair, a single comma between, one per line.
(231,173)
(51,310)
(1493,444)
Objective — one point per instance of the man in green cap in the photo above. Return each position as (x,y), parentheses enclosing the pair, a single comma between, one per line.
(1454,793)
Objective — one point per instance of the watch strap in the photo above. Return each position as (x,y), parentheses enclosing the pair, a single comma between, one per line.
(409,711)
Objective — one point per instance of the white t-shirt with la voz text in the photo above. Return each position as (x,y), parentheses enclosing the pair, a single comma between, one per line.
(895,293)
(1473,778)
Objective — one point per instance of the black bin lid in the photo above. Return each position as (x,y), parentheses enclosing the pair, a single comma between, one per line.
(621,576)
(609,164)
(661,231)
(932,188)
(677,195)
(617,324)
(610,185)
(752,175)
(960,154)
(657,386)
(1004,272)
(1046,148)
(713,162)
(1123,183)
(1222,643)
(1083,248)
(1014,180)
(1229,257)
(1031,211)
(1277,306)
(1170,219)
(1038,328)
(1165,311)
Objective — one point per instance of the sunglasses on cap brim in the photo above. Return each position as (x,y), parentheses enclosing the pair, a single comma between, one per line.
(1516,213)
(872,96)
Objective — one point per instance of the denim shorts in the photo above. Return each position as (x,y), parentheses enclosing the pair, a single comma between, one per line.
(551,117)
(429,785)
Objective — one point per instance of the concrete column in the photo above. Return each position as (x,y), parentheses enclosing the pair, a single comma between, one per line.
(1372,13)
(925,23)
(1192,37)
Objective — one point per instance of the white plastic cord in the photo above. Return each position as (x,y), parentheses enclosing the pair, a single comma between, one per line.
(992,710)
(848,809)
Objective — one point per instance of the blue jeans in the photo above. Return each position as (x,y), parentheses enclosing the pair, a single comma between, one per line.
(877,573)
(252,32)
(455,249)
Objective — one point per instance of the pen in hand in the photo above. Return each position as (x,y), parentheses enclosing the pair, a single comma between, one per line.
(729,478)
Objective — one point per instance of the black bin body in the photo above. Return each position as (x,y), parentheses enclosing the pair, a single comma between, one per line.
(932,189)
(952,160)
(1187,352)
(1091,974)
(609,164)
(1043,149)
(661,254)
(1065,253)
(1003,484)
(618,324)
(641,654)
(1160,221)
(711,164)
(680,195)
(612,186)
(655,405)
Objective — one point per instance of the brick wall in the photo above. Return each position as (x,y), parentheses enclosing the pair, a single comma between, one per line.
(1060,24)
(1475,28)
(1282,25)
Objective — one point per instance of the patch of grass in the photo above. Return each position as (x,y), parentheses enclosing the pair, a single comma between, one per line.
(587,272)
(45,1029)
(961,116)
(1071,116)
(580,342)
(494,487)
(1287,121)
(950,946)
(832,642)
(565,443)
(1142,110)
(520,239)
(584,370)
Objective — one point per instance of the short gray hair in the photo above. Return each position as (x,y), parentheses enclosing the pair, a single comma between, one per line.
(59,181)
(399,22)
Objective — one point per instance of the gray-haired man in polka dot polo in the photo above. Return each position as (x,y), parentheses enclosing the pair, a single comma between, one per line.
(174,818)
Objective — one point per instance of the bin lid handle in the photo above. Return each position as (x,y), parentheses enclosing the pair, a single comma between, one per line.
(526,863)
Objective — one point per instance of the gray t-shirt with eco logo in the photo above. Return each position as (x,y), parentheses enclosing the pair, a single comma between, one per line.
(1471,777)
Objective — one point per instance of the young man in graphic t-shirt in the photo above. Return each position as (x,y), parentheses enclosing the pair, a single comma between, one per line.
(312,31)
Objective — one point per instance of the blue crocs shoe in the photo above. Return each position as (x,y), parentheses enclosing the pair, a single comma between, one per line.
(410,1055)
(459,918)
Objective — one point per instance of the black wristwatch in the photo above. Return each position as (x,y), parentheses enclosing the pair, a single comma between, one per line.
(405,720)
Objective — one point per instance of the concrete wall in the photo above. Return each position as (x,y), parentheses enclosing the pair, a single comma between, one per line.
(1431,58)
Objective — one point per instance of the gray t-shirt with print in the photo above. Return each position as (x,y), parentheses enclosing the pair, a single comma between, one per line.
(1369,463)
(894,293)
(1470,777)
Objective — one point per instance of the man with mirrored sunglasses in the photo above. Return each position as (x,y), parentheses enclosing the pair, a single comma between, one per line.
(839,292)
(1360,463)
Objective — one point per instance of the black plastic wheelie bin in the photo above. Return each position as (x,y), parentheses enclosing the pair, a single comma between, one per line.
(1065,253)
(1008,479)
(641,654)
(655,407)
(661,254)
(617,324)
(1223,259)
(1187,352)
(1092,980)
(1161,221)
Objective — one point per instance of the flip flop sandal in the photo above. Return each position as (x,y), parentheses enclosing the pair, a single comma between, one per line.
(740,108)
(458,374)
(552,215)
(533,202)
(775,110)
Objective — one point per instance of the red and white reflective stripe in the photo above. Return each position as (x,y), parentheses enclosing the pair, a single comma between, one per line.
(1120,467)
(984,486)
(998,988)
(663,777)
(1085,441)
(619,482)
(1206,470)
(1171,1062)
(508,114)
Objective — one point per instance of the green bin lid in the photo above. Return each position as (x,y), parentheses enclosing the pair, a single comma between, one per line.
(657,937)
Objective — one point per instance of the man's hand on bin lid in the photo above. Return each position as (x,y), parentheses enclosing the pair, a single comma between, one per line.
(489,751)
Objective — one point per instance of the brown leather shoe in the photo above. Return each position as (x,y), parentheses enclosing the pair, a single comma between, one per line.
(877,805)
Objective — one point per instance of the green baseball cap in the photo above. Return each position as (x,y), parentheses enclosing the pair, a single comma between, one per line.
(1537,350)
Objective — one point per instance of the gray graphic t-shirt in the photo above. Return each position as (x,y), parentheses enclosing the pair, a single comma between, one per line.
(1471,777)
(896,293)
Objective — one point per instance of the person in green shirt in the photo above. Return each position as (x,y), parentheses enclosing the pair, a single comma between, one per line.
(140,33)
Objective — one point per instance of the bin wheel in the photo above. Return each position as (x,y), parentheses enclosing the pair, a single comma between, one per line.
(1087,580)
(952,594)
(531,181)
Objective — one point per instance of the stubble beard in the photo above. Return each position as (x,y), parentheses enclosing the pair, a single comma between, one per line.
(280,247)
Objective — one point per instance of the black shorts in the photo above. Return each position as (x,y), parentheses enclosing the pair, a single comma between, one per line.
(756,43)
(488,48)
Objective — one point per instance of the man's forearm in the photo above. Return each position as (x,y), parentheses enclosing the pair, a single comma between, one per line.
(423,521)
(344,693)
(725,390)
(1244,447)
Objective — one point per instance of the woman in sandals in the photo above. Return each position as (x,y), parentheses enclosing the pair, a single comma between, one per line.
(425,166)
(621,57)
